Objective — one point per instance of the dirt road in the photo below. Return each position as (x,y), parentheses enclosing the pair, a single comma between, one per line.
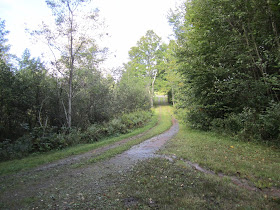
(61,186)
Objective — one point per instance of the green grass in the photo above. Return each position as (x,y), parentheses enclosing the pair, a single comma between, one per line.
(35,160)
(257,163)
(164,123)
(159,184)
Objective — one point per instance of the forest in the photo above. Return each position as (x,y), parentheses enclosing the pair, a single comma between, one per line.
(220,71)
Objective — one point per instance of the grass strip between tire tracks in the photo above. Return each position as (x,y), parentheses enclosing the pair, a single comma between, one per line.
(164,123)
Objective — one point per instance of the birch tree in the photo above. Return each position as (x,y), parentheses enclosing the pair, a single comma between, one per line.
(71,36)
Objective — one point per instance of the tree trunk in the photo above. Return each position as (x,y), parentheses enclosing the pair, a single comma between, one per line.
(70,100)
(151,98)
(173,103)
(70,74)
(152,92)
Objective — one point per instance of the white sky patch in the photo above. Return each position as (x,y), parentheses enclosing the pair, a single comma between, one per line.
(127,21)
(19,15)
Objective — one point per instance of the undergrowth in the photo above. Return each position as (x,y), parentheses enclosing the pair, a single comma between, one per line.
(34,160)
(47,139)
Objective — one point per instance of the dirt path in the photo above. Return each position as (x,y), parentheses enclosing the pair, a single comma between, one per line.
(60,186)
(88,155)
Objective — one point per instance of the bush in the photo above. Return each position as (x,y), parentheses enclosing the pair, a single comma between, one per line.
(270,123)
(94,133)
(245,124)
(116,126)
(47,139)
(199,119)
(44,140)
(252,125)
(39,140)
(17,149)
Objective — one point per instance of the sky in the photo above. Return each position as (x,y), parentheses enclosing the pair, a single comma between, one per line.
(127,21)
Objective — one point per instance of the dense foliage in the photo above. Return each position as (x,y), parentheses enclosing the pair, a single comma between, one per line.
(229,56)
(41,139)
(34,106)
(153,64)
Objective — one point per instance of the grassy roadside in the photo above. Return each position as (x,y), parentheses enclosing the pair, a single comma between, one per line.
(32,161)
(164,123)
(257,163)
(159,184)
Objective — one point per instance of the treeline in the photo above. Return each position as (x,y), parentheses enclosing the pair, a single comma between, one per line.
(34,108)
(229,58)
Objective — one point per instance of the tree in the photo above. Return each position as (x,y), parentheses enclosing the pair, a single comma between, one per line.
(37,91)
(229,59)
(145,59)
(171,73)
(10,114)
(131,93)
(71,39)
(4,48)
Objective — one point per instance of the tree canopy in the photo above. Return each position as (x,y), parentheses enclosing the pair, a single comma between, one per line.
(228,53)
(146,58)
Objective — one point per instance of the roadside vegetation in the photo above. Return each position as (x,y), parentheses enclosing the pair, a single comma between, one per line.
(164,184)
(256,163)
(58,191)
(40,140)
(160,121)
(228,57)
(164,123)
(161,184)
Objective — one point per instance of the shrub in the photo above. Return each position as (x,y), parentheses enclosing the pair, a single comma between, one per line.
(17,149)
(245,124)
(270,123)
(116,126)
(46,139)
(94,133)
(252,125)
(199,119)
(135,119)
